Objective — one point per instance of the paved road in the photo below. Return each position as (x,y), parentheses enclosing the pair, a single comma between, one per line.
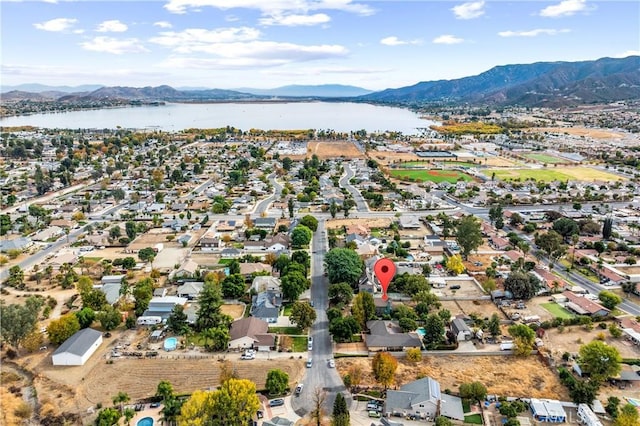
(319,376)
(361,204)
(263,205)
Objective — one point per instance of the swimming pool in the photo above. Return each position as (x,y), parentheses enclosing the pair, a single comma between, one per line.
(421,332)
(145,421)
(170,344)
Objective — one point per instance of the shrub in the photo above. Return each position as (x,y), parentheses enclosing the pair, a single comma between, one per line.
(414,355)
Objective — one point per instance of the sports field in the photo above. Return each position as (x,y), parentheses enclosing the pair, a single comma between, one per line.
(427,164)
(585,174)
(437,176)
(544,158)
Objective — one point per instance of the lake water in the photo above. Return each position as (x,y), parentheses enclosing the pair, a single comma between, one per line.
(340,117)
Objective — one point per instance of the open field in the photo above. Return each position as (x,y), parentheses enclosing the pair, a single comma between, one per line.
(580,173)
(234,310)
(335,149)
(428,164)
(544,158)
(437,176)
(384,157)
(579,131)
(382,222)
(508,376)
(498,162)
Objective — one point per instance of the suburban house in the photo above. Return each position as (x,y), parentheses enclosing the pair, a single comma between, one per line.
(162,306)
(187,269)
(20,243)
(47,234)
(111,279)
(190,289)
(68,257)
(230,252)
(78,348)
(366,250)
(266,306)
(251,333)
(277,243)
(461,330)
(423,398)
(358,229)
(209,243)
(111,292)
(583,306)
(265,283)
(249,268)
(409,222)
(266,223)
(387,336)
(547,410)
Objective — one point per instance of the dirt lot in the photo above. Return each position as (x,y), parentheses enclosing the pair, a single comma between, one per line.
(235,311)
(573,337)
(482,309)
(382,222)
(498,162)
(334,150)
(580,131)
(508,376)
(385,157)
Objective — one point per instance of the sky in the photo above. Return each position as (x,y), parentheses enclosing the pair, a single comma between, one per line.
(265,44)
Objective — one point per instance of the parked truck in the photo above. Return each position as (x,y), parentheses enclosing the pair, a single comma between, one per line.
(506,346)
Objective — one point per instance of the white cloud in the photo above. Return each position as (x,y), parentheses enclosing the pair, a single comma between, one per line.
(163,24)
(627,53)
(193,39)
(56,25)
(114,45)
(447,39)
(112,26)
(296,20)
(395,41)
(564,8)
(469,10)
(533,33)
(272,7)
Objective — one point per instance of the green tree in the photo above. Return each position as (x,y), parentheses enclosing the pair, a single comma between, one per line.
(85,316)
(566,227)
(177,321)
(340,415)
(16,277)
(165,390)
(628,416)
(109,318)
(302,314)
(61,329)
(599,360)
(494,325)
(142,293)
(108,417)
(333,209)
(363,309)
(219,337)
(522,285)
(129,413)
(607,228)
(343,265)
(340,293)
(609,299)
(468,235)
(209,301)
(301,236)
(120,399)
(147,254)
(443,421)
(16,322)
(343,329)
(310,222)
(277,382)
(523,337)
(552,244)
(473,390)
(383,366)
(131,230)
(293,284)
(233,286)
(434,331)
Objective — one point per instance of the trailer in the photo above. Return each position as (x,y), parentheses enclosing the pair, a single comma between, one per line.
(587,417)
(150,320)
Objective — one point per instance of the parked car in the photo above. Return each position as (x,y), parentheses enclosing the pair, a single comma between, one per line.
(332,363)
(247,356)
(309,363)
(154,405)
(372,405)
(298,390)
(276,402)
(455,287)
(374,413)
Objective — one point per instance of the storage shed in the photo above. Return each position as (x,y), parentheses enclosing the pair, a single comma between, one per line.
(548,410)
(77,349)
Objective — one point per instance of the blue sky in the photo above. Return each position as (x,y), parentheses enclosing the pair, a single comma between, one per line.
(270,43)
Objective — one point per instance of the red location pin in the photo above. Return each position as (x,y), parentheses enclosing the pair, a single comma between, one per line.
(384,269)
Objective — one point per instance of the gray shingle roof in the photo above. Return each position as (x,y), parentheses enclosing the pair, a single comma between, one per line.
(80,342)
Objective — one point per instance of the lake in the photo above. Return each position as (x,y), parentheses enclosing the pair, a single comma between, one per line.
(340,117)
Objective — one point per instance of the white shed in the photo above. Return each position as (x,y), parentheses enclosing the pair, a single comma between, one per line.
(77,349)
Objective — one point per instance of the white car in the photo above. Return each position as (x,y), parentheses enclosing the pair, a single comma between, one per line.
(332,363)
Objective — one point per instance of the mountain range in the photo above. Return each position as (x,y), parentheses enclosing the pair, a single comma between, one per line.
(549,84)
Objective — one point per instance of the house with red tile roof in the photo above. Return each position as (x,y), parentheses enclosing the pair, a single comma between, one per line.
(583,306)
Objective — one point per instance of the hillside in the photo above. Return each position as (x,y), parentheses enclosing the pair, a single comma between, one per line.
(538,84)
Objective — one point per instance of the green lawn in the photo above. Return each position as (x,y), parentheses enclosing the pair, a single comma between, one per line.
(557,310)
(544,158)
(299,344)
(287,309)
(475,419)
(437,176)
(548,174)
(460,163)
(292,331)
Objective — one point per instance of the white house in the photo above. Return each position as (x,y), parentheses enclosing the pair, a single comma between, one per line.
(251,333)
(265,283)
(77,349)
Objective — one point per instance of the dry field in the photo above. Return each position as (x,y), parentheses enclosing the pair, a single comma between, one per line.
(335,149)
(580,131)
(484,308)
(573,337)
(502,375)
(385,158)
(498,162)
(382,222)
(235,311)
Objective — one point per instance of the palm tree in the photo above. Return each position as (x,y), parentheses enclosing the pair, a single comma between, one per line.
(129,414)
(121,398)
(574,240)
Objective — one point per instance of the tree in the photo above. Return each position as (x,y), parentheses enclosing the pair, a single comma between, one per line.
(147,254)
(120,399)
(414,354)
(310,222)
(164,390)
(566,227)
(290,207)
(177,321)
(108,417)
(383,366)
(523,337)
(301,236)
(494,325)
(16,277)
(340,293)
(551,243)
(61,329)
(628,416)
(318,398)
(109,318)
(209,301)
(468,235)
(233,286)
(495,214)
(343,329)
(473,390)
(340,415)
(443,421)
(599,360)
(333,209)
(219,337)
(609,299)
(129,413)
(455,265)
(277,382)
(142,293)
(434,331)
(363,309)
(607,228)
(16,322)
(85,316)
(343,265)
(293,284)
(522,284)
(302,314)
